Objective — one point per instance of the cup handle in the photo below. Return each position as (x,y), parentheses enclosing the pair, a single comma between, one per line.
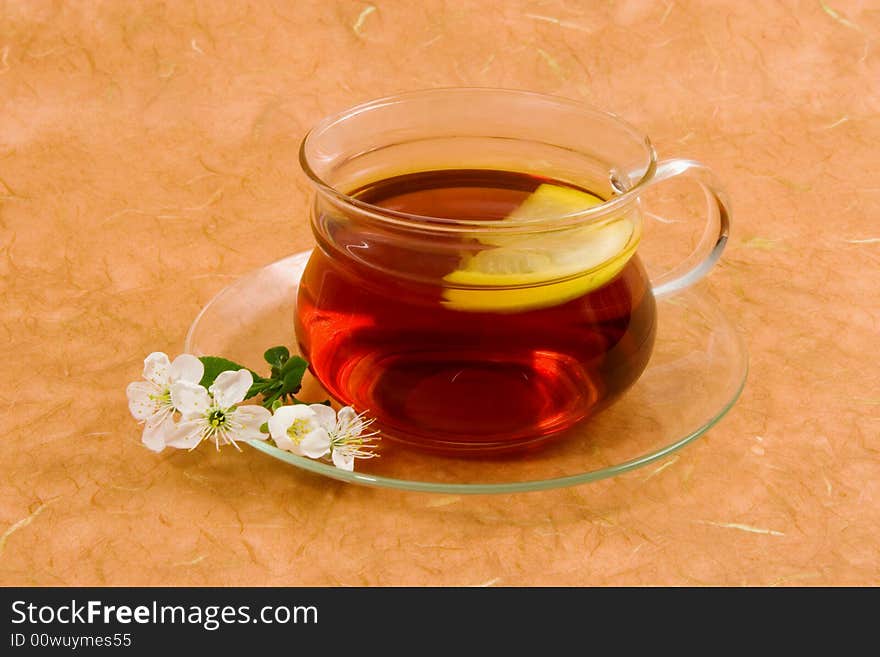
(714,238)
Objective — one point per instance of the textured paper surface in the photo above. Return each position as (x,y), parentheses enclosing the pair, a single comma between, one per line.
(148,157)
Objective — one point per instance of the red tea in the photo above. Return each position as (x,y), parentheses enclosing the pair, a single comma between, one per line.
(463,370)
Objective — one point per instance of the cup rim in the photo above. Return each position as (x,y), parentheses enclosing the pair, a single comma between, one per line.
(445,224)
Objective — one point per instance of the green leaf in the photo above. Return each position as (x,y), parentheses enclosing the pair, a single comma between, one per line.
(264,428)
(277,356)
(293,379)
(276,405)
(214,366)
(295,364)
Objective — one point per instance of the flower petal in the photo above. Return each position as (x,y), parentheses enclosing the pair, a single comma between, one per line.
(140,404)
(190,399)
(279,423)
(186,435)
(283,441)
(349,423)
(251,418)
(315,444)
(187,367)
(230,388)
(326,416)
(156,368)
(154,436)
(343,460)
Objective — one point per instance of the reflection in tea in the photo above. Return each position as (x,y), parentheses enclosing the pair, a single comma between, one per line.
(494,344)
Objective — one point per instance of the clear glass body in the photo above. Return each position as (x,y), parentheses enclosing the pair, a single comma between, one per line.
(429,302)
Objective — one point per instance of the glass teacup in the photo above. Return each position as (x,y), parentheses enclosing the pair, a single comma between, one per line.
(476,285)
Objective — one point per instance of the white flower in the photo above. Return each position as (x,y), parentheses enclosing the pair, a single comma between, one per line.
(347,440)
(303,429)
(214,414)
(150,401)
(316,430)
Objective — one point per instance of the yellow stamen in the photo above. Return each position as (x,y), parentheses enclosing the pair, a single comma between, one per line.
(297,430)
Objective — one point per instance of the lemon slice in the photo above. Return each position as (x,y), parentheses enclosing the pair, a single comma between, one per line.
(523,272)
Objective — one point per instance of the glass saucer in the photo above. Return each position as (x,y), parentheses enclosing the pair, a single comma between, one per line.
(695,375)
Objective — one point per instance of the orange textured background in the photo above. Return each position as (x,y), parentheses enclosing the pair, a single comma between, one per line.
(147,158)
